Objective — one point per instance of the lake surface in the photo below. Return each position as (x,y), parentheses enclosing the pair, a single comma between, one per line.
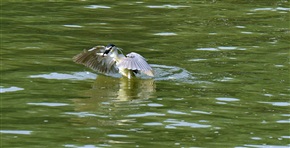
(222,74)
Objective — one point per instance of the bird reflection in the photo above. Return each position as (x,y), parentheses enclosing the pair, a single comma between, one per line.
(113,90)
(122,89)
(106,103)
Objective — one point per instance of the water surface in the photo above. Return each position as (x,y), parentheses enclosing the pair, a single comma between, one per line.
(222,74)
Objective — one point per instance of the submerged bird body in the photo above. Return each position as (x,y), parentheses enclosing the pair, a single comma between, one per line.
(109,60)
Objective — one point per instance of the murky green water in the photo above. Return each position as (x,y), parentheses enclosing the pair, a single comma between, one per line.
(222,74)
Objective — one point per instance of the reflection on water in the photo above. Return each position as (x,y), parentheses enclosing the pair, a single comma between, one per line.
(122,89)
(107,92)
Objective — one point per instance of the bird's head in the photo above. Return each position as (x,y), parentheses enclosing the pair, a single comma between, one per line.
(108,48)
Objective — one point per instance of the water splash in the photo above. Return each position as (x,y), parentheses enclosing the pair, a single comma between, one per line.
(162,72)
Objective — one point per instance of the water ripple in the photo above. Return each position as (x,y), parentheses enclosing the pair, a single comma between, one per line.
(61,76)
(21,132)
(277,103)
(165,34)
(265,146)
(200,112)
(272,9)
(146,114)
(175,123)
(153,124)
(85,114)
(48,104)
(220,48)
(162,72)
(154,105)
(10,89)
(97,7)
(176,112)
(116,135)
(73,26)
(167,6)
(227,99)
(283,121)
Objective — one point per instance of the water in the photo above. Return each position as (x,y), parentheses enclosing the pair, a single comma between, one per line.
(222,74)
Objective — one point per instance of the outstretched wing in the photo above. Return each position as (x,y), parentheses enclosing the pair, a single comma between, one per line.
(135,61)
(94,59)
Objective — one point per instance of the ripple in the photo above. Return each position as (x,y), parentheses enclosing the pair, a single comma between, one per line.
(227,47)
(73,26)
(285,137)
(154,105)
(146,114)
(176,112)
(278,65)
(272,9)
(10,89)
(240,27)
(196,60)
(153,124)
(220,48)
(176,123)
(277,103)
(283,9)
(163,72)
(97,7)
(85,114)
(77,146)
(225,79)
(286,115)
(283,121)
(165,34)
(263,9)
(246,32)
(61,76)
(116,135)
(167,6)
(21,132)
(207,49)
(227,99)
(256,138)
(265,146)
(48,104)
(201,112)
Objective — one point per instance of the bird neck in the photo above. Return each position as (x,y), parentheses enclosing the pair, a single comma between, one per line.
(116,56)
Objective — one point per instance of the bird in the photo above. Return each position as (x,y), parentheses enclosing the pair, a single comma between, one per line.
(107,59)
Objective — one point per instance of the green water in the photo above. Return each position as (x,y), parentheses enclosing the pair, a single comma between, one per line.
(222,74)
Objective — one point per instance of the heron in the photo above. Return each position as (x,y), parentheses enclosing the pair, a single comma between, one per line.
(107,59)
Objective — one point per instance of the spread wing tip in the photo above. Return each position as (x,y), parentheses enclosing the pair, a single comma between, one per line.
(91,59)
(149,73)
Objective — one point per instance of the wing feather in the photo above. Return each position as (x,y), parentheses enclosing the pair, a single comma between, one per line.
(94,59)
(135,61)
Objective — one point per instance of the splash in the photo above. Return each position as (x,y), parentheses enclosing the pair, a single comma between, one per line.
(162,72)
